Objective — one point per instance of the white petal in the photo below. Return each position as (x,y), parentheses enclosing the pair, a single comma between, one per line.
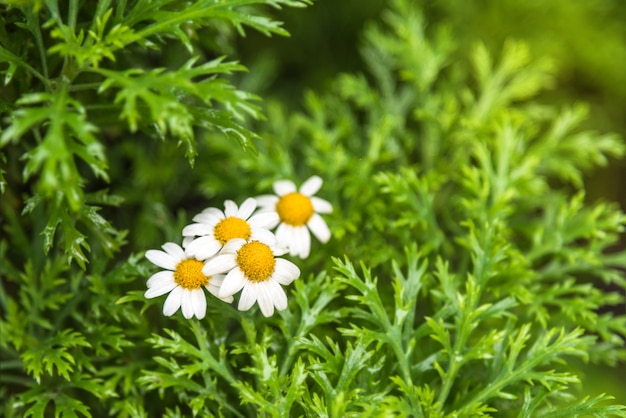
(318,226)
(285,271)
(264,220)
(279,297)
(233,283)
(187,241)
(263,235)
(213,212)
(215,290)
(197,229)
(292,240)
(217,280)
(187,304)
(302,241)
(198,300)
(219,264)
(278,250)
(311,186)
(204,247)
(163,276)
(246,208)
(230,208)
(209,218)
(160,289)
(295,241)
(248,296)
(162,259)
(321,205)
(284,235)
(283,187)
(173,301)
(232,246)
(267,201)
(264,299)
(174,250)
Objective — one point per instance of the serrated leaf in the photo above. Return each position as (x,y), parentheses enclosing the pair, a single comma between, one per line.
(222,121)
(163,19)
(167,97)
(38,408)
(52,357)
(75,243)
(67,134)
(67,406)
(90,49)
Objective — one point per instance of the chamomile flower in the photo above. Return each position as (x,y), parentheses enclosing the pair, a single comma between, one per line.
(183,279)
(298,212)
(252,267)
(214,228)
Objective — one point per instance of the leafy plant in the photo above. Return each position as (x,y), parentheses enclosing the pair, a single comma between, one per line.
(467,275)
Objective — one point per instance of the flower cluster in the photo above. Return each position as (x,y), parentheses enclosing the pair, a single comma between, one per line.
(235,250)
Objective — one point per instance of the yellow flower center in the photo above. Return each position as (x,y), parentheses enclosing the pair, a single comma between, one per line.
(256,260)
(294,209)
(230,228)
(188,274)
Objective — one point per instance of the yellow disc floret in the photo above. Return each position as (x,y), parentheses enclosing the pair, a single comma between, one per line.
(188,274)
(230,228)
(256,261)
(294,209)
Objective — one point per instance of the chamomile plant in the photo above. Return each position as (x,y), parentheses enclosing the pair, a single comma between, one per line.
(234,250)
(297,212)
(214,228)
(414,237)
(183,280)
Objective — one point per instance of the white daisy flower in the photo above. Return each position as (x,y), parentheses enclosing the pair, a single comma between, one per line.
(183,280)
(214,228)
(298,212)
(252,266)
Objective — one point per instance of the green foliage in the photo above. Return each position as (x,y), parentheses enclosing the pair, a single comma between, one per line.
(467,276)
(161,91)
(62,101)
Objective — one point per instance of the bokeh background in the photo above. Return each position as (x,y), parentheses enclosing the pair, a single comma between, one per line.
(585,39)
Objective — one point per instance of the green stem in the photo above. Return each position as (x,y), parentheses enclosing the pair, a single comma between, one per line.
(303,329)
(34,26)
(11,364)
(400,355)
(450,377)
(69,70)
(405,370)
(288,359)
(221,368)
(120,9)
(17,380)
(101,9)
(6,55)
(86,86)
(72,14)
(180,17)
(464,328)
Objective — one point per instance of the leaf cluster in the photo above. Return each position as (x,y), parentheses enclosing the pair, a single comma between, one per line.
(468,275)
(77,80)
(448,156)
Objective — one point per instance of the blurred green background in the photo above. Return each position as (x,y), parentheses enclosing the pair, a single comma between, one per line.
(585,39)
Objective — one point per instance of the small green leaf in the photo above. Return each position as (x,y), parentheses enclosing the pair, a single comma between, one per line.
(52,357)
